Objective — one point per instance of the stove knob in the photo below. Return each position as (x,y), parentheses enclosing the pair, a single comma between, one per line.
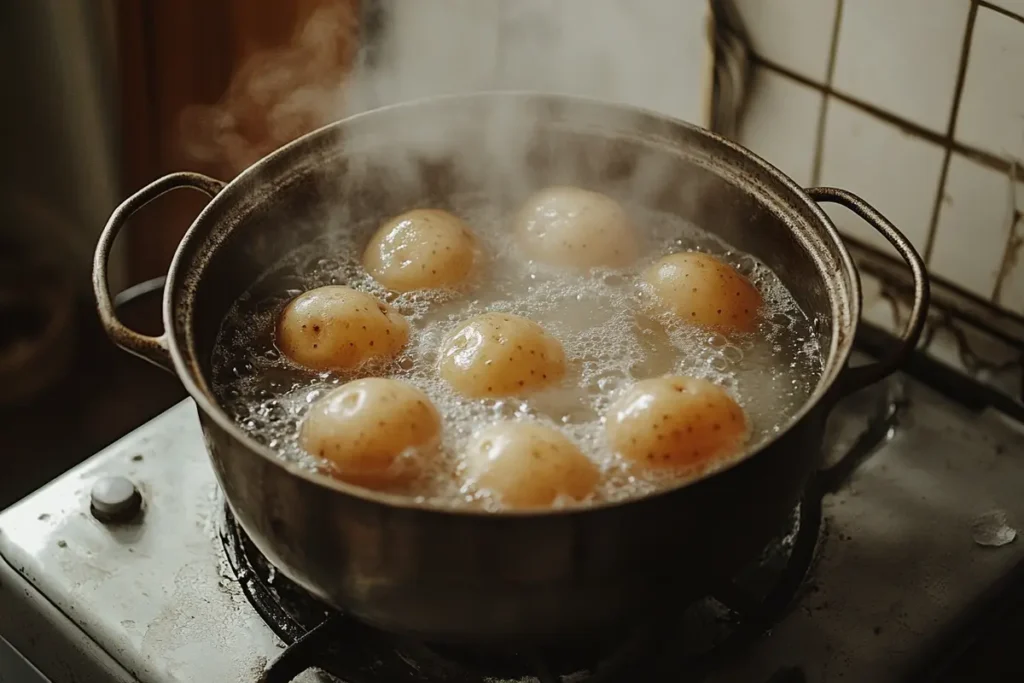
(115,500)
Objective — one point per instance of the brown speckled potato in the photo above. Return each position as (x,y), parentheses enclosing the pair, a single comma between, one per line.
(578,229)
(498,354)
(704,291)
(528,465)
(375,432)
(339,328)
(421,249)
(675,422)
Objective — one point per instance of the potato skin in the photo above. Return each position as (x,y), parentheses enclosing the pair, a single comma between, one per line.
(339,328)
(675,422)
(365,429)
(529,465)
(576,229)
(421,249)
(500,354)
(702,290)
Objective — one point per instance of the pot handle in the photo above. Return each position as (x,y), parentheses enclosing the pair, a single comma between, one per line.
(854,379)
(153,349)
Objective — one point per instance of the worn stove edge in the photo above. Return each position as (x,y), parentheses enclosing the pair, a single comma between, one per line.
(29,624)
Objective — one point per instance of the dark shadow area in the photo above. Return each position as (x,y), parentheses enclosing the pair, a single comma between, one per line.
(104,394)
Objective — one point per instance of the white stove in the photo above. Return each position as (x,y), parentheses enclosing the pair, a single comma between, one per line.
(914,543)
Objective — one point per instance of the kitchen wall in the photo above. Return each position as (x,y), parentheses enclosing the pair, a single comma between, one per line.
(918,106)
(59,177)
(651,53)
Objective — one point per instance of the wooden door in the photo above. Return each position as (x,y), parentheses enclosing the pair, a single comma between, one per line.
(211,86)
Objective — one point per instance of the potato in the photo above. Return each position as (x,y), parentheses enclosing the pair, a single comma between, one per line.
(526,464)
(577,229)
(374,432)
(675,422)
(704,291)
(421,249)
(499,354)
(339,328)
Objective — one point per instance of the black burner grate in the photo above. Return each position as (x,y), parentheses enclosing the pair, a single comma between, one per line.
(683,648)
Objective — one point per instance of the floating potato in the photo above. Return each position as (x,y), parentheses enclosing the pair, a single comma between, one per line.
(675,422)
(421,249)
(704,291)
(528,465)
(374,432)
(574,228)
(339,328)
(499,354)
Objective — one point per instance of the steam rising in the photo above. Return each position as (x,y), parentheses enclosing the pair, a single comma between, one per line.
(277,95)
(648,53)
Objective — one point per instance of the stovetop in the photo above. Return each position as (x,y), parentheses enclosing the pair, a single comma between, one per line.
(916,542)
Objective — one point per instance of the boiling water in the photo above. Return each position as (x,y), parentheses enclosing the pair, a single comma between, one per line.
(610,335)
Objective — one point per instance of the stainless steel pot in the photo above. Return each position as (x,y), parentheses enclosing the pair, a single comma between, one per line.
(474,577)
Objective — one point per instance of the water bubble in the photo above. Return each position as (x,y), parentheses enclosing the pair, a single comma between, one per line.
(716,340)
(732,353)
(326,264)
(720,363)
(273,411)
(243,370)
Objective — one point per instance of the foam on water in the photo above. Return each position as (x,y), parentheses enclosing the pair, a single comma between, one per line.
(610,335)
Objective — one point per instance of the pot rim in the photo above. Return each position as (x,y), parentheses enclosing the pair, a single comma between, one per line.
(839,351)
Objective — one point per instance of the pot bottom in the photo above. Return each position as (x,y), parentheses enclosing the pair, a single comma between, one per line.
(687,638)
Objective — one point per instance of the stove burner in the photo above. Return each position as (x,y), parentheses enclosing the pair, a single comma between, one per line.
(683,647)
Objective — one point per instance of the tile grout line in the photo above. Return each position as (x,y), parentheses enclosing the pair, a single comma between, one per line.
(1011,250)
(905,125)
(1001,10)
(819,136)
(908,127)
(961,77)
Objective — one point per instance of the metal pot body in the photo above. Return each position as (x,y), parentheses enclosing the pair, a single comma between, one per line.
(471,577)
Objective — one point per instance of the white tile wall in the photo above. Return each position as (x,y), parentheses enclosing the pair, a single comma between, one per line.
(975,220)
(992,108)
(650,54)
(902,56)
(624,52)
(893,171)
(770,24)
(781,123)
